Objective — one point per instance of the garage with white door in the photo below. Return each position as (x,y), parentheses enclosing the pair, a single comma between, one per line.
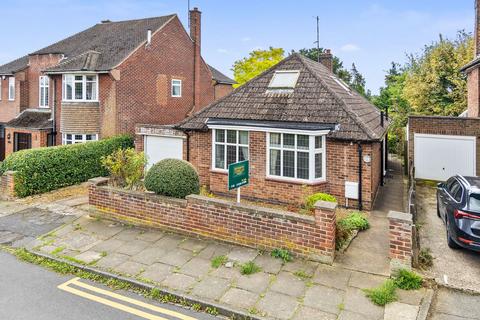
(438,157)
(161,142)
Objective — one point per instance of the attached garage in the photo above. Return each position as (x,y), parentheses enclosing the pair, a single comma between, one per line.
(438,157)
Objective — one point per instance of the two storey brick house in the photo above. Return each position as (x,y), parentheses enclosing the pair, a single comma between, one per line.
(105,80)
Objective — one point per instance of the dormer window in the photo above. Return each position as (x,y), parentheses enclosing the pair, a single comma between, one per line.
(284,79)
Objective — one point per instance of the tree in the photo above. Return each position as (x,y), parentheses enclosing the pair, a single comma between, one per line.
(338,68)
(434,85)
(257,62)
(357,82)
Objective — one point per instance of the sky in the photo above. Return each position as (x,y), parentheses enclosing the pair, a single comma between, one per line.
(370,34)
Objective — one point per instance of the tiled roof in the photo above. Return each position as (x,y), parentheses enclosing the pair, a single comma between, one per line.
(14,66)
(318,97)
(220,77)
(32,119)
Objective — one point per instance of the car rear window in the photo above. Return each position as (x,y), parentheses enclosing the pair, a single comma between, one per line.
(474,202)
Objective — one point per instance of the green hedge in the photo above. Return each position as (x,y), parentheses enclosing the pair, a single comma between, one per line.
(44,169)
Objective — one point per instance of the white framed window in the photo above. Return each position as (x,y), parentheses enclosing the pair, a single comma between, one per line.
(44,83)
(298,157)
(11,88)
(284,79)
(176,88)
(71,138)
(80,87)
(229,146)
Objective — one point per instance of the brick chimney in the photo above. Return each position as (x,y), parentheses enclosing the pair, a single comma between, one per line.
(195,34)
(326,58)
(473,73)
(477,28)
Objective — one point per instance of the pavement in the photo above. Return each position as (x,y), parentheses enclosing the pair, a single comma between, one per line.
(32,292)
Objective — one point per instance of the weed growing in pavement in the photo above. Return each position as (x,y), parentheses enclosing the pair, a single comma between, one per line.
(218,261)
(249,268)
(57,250)
(283,254)
(155,293)
(103,254)
(302,274)
(196,307)
(408,280)
(212,311)
(383,294)
(425,258)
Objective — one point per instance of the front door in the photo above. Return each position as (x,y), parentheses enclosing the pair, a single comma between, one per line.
(2,142)
(22,141)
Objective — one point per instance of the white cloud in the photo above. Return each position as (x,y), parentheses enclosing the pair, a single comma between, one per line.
(221,50)
(246,39)
(350,47)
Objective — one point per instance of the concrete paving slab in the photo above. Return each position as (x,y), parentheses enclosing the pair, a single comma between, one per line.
(194,245)
(324,298)
(412,297)
(349,315)
(242,255)
(197,267)
(457,303)
(130,268)
(112,260)
(128,234)
(227,273)
(313,314)
(356,301)
(103,229)
(239,298)
(179,281)
(277,305)
(157,272)
(150,235)
(332,277)
(257,282)
(169,241)
(211,288)
(268,263)
(400,311)
(133,247)
(149,255)
(363,280)
(80,241)
(308,267)
(89,256)
(176,257)
(288,284)
(214,249)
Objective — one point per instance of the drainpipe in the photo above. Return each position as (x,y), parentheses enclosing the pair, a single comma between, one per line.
(360,176)
(54,104)
(382,168)
(188,146)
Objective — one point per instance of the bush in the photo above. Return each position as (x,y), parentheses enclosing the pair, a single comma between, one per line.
(172,178)
(354,221)
(44,169)
(312,199)
(382,295)
(126,167)
(408,280)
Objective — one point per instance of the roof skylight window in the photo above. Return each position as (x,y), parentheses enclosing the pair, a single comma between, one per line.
(284,79)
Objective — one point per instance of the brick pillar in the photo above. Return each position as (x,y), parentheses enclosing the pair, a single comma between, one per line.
(7,185)
(325,220)
(400,235)
(92,186)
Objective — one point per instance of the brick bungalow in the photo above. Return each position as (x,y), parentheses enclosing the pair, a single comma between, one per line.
(104,80)
(303,130)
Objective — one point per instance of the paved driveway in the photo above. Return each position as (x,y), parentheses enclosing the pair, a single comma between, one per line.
(458,268)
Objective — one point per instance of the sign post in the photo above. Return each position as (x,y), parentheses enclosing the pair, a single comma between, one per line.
(238,175)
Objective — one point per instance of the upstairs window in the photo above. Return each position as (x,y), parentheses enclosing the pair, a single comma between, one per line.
(284,79)
(68,138)
(176,88)
(11,88)
(80,87)
(44,83)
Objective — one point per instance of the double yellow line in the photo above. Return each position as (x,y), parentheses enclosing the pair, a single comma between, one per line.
(113,304)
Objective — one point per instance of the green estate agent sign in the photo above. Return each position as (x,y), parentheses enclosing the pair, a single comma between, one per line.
(238,174)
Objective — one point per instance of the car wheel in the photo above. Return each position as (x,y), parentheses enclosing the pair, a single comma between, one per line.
(451,244)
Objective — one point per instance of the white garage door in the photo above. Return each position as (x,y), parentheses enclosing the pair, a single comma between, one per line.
(158,148)
(438,157)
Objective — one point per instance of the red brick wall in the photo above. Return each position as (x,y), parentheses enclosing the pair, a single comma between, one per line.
(342,165)
(7,185)
(454,126)
(10,109)
(36,64)
(144,88)
(473,92)
(312,237)
(221,90)
(400,236)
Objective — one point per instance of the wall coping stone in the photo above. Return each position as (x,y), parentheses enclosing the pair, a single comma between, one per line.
(443,117)
(252,209)
(99,181)
(146,195)
(401,216)
(325,205)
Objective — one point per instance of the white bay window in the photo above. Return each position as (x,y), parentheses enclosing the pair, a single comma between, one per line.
(80,87)
(68,138)
(296,156)
(229,146)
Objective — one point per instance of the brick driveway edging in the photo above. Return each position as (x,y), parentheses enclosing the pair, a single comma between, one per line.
(312,237)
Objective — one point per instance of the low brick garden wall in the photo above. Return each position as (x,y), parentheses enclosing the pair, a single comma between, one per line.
(312,237)
(7,185)
(400,235)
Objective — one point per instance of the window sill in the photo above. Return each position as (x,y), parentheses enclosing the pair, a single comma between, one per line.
(296,181)
(221,171)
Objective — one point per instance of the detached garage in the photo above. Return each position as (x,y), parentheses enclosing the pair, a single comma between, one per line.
(159,142)
(440,147)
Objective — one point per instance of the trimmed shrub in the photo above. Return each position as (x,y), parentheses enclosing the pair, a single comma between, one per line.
(312,199)
(354,221)
(44,169)
(126,167)
(172,178)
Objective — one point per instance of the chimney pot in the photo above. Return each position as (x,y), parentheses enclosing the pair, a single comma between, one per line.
(326,58)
